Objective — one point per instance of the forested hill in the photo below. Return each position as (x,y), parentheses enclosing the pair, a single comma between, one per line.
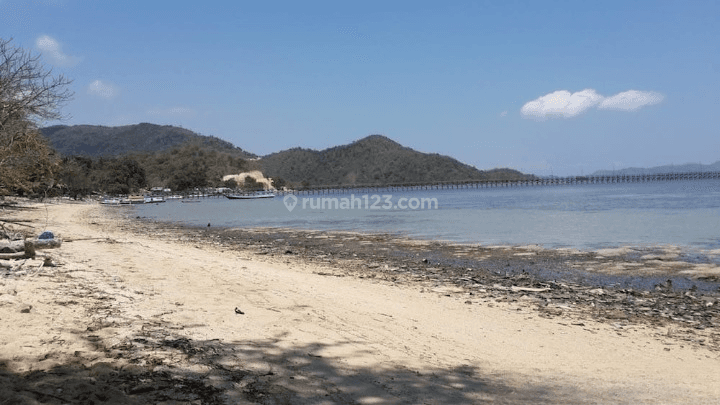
(173,157)
(96,141)
(372,160)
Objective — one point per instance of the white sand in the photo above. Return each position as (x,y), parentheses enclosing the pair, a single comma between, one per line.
(327,337)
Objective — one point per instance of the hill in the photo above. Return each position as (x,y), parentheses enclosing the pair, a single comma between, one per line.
(686,168)
(95,140)
(372,160)
(149,155)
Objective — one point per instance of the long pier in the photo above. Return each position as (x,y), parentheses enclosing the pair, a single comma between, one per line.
(533,182)
(475,184)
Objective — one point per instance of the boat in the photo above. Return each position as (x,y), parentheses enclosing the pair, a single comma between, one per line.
(110,201)
(154,200)
(133,199)
(249,196)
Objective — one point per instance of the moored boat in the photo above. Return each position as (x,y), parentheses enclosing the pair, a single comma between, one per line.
(110,201)
(154,200)
(133,199)
(249,196)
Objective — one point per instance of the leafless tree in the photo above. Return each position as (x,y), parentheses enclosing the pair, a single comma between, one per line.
(29,95)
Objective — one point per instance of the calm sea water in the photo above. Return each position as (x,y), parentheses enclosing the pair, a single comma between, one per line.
(585,217)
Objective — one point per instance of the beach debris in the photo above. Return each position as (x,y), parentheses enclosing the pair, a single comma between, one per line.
(14,254)
(4,234)
(13,246)
(46,235)
(18,255)
(9,264)
(528,289)
(21,249)
(47,240)
(238,311)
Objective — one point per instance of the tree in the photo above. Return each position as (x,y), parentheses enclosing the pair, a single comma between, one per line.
(230,183)
(75,175)
(124,176)
(29,95)
(190,176)
(279,183)
(251,184)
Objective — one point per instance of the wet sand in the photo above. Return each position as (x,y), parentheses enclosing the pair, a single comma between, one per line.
(136,312)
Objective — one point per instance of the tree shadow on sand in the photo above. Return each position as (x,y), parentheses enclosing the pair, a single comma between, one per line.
(156,366)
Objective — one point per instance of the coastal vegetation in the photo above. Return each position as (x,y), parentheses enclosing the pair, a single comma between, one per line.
(373,160)
(29,95)
(96,140)
(186,167)
(179,159)
(83,159)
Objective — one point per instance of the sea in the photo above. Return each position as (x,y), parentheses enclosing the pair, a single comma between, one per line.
(585,217)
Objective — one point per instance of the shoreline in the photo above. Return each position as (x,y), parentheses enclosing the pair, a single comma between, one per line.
(679,261)
(651,286)
(551,221)
(144,312)
(633,266)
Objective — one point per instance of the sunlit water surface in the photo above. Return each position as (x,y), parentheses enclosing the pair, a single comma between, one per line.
(685,213)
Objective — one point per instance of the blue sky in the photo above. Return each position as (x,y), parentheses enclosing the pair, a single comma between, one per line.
(542,87)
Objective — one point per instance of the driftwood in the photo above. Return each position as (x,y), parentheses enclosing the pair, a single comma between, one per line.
(9,264)
(26,248)
(528,289)
(14,265)
(12,246)
(16,222)
(17,255)
(46,243)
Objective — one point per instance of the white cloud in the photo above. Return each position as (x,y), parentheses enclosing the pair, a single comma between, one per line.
(102,89)
(561,103)
(504,114)
(631,100)
(52,50)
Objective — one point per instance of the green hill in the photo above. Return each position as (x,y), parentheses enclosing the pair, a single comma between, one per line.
(99,158)
(95,140)
(372,160)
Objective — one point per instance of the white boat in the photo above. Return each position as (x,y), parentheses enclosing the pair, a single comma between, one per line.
(133,199)
(154,200)
(249,196)
(110,201)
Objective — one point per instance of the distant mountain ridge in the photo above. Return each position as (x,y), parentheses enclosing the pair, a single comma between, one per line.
(375,159)
(97,140)
(686,168)
(165,152)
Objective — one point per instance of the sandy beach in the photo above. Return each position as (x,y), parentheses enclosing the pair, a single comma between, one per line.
(132,315)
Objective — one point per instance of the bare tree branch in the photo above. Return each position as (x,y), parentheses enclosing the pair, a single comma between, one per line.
(29,95)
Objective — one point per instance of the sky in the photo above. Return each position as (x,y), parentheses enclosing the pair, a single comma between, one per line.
(550,88)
